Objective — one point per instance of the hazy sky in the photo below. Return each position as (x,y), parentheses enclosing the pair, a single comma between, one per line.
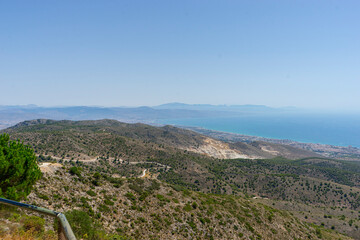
(115,53)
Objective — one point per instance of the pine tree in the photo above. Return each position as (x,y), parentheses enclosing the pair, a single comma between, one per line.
(18,168)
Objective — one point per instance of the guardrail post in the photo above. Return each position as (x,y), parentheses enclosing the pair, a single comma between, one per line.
(61,234)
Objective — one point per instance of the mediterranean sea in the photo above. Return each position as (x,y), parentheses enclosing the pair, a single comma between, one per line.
(333,129)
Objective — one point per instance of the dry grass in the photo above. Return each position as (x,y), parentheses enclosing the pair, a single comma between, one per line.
(28,235)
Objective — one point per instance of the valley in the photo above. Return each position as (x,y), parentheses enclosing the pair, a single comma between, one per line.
(166,182)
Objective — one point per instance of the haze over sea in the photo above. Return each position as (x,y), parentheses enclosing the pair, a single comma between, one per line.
(333,129)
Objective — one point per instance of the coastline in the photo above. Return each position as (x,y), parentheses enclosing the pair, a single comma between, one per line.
(330,151)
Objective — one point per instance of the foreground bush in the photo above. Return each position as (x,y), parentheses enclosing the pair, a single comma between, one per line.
(18,169)
(83,225)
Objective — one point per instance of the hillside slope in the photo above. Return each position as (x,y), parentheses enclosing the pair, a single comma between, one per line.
(74,137)
(148,209)
(181,158)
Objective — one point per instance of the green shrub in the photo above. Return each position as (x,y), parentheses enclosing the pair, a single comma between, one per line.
(35,223)
(91,193)
(97,176)
(43,196)
(192,225)
(75,171)
(18,169)
(108,202)
(96,182)
(187,207)
(143,196)
(104,208)
(15,217)
(161,197)
(83,225)
(137,188)
(130,196)
(249,227)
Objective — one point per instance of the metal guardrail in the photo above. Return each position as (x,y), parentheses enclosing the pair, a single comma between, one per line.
(64,230)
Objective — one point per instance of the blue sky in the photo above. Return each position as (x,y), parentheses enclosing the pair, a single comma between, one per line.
(129,53)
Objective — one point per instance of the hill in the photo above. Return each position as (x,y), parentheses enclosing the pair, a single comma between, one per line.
(178,159)
(10,115)
(88,138)
(146,208)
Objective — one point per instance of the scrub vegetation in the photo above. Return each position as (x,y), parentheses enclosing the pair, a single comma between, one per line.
(95,169)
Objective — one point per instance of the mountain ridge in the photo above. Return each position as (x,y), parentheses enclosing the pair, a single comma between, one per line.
(199,144)
(10,115)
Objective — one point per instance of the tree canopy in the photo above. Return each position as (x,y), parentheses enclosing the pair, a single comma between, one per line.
(18,168)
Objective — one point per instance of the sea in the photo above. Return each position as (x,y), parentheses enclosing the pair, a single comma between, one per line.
(332,129)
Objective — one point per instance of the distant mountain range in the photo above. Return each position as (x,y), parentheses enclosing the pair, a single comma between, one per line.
(225,108)
(10,115)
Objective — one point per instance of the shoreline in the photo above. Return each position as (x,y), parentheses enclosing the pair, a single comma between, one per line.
(326,150)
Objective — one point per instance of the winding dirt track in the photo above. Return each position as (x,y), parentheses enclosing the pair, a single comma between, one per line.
(143,174)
